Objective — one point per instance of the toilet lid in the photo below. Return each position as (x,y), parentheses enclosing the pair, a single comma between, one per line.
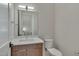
(55,52)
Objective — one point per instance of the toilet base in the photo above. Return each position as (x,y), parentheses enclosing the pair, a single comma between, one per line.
(53,52)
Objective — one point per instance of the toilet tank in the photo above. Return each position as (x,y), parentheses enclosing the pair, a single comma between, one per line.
(48,43)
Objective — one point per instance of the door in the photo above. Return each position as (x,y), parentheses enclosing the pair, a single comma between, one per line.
(4,46)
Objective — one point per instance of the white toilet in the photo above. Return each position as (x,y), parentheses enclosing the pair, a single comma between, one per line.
(50,50)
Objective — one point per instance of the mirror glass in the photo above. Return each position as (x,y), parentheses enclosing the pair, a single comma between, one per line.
(27,21)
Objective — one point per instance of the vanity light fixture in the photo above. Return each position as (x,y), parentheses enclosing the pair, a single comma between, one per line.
(28,8)
(21,6)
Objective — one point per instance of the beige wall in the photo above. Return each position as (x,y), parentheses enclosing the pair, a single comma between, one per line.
(46,20)
(67,28)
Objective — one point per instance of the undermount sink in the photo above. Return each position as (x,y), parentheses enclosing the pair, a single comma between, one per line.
(24,40)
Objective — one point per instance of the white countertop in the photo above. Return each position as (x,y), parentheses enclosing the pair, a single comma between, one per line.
(26,40)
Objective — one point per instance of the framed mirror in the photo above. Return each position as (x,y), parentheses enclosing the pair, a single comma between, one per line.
(27,23)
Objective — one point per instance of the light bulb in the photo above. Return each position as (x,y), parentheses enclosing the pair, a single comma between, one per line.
(24,29)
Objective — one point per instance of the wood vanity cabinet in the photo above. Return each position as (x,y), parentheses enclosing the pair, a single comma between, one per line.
(27,50)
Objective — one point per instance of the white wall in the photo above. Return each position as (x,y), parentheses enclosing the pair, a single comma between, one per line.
(11,21)
(67,28)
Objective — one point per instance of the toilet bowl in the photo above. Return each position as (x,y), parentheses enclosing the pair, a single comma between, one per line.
(49,46)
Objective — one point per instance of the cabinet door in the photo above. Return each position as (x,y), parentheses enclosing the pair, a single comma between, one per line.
(34,50)
(27,50)
(19,50)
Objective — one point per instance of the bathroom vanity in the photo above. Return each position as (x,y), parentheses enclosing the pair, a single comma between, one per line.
(27,26)
(27,47)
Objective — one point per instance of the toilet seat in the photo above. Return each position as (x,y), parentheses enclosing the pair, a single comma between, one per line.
(54,52)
